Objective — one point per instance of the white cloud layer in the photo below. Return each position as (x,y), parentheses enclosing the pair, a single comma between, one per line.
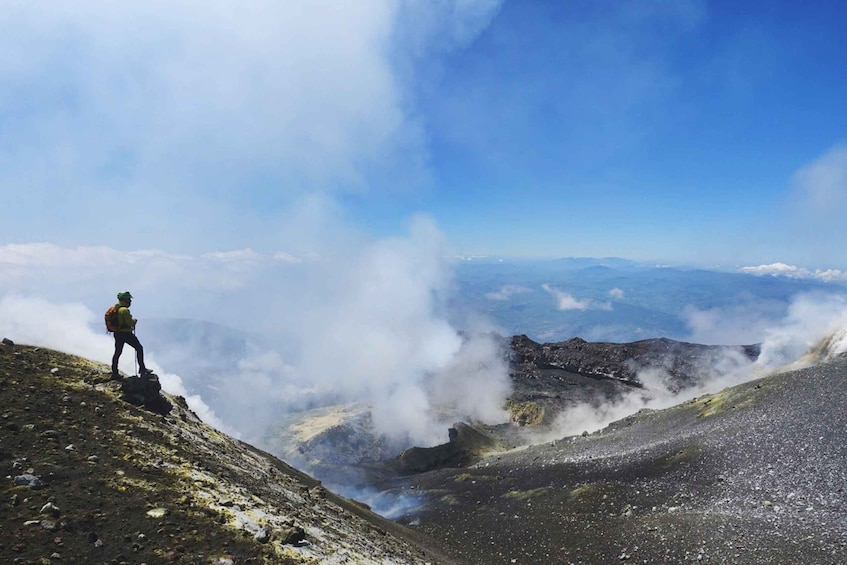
(794,272)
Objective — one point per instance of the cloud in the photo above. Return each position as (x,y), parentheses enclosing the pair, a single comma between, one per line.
(186,124)
(566,301)
(822,184)
(285,257)
(507,292)
(793,272)
(86,271)
(616,293)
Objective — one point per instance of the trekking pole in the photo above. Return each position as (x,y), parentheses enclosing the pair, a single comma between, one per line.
(135,357)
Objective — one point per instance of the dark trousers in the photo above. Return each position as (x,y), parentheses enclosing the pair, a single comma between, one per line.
(126,337)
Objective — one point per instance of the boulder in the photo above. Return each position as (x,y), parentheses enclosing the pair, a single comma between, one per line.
(145,390)
(29,481)
(291,535)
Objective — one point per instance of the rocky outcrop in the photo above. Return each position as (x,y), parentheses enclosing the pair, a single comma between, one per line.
(145,390)
(466,445)
(548,378)
(682,362)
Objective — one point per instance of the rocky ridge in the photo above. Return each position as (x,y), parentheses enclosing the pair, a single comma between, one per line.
(549,377)
(92,478)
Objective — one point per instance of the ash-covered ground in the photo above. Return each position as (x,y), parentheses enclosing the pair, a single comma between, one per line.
(753,474)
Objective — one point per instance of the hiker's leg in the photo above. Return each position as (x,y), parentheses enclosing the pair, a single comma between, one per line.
(139,351)
(119,347)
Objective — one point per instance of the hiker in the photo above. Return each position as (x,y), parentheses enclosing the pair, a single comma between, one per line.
(123,325)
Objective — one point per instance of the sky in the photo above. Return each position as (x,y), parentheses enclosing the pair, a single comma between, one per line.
(687,131)
(306,170)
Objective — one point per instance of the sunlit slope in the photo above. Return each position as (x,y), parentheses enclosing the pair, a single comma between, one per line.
(91,478)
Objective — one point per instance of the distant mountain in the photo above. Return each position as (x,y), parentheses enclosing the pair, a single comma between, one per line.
(612,299)
(616,263)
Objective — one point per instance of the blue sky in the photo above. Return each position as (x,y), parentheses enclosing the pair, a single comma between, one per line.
(696,132)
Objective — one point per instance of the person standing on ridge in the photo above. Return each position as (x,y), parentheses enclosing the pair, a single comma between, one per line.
(124,329)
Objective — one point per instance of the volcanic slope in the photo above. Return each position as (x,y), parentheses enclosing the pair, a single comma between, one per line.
(90,478)
(753,474)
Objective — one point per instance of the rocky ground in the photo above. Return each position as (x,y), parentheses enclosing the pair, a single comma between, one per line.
(754,474)
(91,478)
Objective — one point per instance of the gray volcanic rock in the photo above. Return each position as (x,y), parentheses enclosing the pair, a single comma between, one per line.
(554,376)
(753,474)
(683,362)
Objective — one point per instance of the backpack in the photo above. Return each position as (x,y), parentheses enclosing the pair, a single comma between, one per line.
(111,318)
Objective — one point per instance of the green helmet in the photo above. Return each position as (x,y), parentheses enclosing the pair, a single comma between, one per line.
(124,295)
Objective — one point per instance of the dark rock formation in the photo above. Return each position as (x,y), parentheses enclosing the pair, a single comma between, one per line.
(683,362)
(548,377)
(466,445)
(145,390)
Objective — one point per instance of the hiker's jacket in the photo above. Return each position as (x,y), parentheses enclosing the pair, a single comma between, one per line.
(126,323)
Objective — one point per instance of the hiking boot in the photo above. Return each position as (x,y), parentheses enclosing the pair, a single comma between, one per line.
(116,377)
(145,372)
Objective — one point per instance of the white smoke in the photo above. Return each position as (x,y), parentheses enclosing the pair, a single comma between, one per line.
(823,183)
(745,323)
(369,324)
(813,329)
(794,272)
(810,319)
